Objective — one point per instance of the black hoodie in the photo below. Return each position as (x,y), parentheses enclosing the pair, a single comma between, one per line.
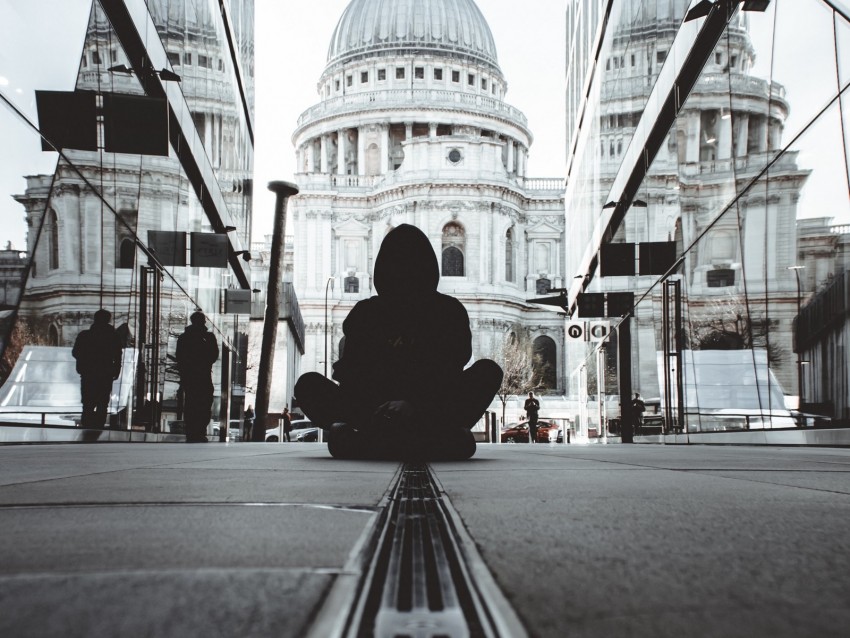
(409,342)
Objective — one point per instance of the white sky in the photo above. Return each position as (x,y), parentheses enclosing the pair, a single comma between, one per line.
(291,43)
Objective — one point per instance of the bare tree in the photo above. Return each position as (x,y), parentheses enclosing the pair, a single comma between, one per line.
(515,357)
(728,323)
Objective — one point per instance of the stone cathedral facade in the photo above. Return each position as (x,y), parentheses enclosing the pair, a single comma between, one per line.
(412,127)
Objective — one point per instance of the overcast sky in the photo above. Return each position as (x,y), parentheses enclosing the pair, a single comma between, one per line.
(292,39)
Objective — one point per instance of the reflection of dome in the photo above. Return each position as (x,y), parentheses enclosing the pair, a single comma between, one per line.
(449,26)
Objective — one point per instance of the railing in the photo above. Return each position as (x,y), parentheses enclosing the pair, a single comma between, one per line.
(413,97)
(840,229)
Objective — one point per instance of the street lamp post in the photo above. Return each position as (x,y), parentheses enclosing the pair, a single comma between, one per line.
(797,270)
(330,283)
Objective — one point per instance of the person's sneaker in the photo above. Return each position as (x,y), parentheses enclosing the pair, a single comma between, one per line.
(343,441)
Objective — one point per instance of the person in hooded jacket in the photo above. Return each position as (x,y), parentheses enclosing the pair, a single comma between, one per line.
(403,388)
(197,351)
(98,354)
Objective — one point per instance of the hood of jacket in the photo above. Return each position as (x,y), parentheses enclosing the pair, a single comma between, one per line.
(406,263)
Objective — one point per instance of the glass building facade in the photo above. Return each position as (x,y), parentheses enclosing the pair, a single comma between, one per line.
(138,201)
(707,177)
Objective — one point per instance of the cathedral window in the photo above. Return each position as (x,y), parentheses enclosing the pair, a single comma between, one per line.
(382,75)
(544,361)
(85,62)
(127,253)
(509,255)
(399,73)
(483,84)
(733,60)
(718,57)
(419,72)
(659,56)
(542,286)
(608,64)
(113,56)
(173,58)
(438,74)
(455,76)
(633,60)
(187,58)
(470,79)
(454,241)
(95,57)
(336,85)
(53,239)
(352,284)
(720,278)
(348,80)
(364,77)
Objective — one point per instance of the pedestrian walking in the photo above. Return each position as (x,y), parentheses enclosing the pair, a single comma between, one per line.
(197,351)
(404,390)
(532,408)
(98,354)
(287,424)
(247,423)
(638,408)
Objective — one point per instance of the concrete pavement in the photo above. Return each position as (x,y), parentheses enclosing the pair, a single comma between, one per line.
(246,539)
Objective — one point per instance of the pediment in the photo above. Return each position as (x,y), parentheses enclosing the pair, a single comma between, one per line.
(351,227)
(544,230)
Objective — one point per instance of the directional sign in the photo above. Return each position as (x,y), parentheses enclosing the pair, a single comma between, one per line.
(576,330)
(598,330)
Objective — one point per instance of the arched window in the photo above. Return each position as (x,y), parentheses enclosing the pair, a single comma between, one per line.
(544,361)
(352,284)
(454,241)
(53,240)
(543,286)
(127,253)
(509,255)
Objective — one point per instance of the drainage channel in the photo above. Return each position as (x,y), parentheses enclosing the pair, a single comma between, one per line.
(425,578)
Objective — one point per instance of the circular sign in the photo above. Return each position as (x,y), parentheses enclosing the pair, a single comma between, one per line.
(575,331)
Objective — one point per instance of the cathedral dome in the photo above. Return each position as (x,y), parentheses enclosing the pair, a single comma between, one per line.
(447,27)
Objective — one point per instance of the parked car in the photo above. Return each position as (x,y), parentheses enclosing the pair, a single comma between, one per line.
(234,431)
(303,431)
(518,433)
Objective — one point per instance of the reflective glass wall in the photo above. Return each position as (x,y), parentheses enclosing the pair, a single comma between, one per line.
(147,216)
(748,189)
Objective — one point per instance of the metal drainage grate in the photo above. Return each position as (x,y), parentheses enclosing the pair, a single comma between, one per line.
(418,588)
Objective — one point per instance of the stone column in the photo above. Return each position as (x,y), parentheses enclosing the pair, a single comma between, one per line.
(432,129)
(323,155)
(692,133)
(361,152)
(724,138)
(510,165)
(408,130)
(385,149)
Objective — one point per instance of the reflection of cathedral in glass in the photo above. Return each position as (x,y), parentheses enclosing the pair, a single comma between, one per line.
(87,254)
(727,132)
(412,127)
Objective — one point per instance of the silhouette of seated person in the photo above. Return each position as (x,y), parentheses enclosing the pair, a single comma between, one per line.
(403,392)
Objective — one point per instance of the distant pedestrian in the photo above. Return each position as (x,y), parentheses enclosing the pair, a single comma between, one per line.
(287,424)
(197,351)
(638,408)
(532,407)
(98,354)
(247,423)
